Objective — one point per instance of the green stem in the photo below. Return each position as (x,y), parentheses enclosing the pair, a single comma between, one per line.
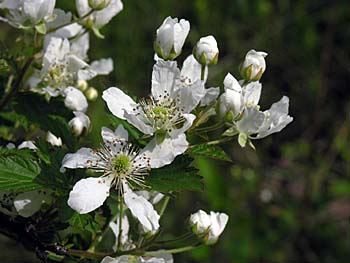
(72,22)
(12,92)
(170,251)
(214,142)
(211,128)
(180,238)
(203,72)
(164,206)
(121,203)
(100,237)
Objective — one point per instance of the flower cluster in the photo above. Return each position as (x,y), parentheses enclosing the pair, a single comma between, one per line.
(177,110)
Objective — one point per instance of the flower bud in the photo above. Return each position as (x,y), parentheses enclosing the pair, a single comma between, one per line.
(98,4)
(231,101)
(200,222)
(208,227)
(82,85)
(79,124)
(206,51)
(170,38)
(75,99)
(91,94)
(53,140)
(253,65)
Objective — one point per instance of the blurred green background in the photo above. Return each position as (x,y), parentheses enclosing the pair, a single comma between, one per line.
(290,200)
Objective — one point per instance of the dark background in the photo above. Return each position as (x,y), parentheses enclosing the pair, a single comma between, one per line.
(290,200)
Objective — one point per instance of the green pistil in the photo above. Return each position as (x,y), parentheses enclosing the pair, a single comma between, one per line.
(121,164)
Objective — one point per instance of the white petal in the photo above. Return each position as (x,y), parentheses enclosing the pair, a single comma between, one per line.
(28,203)
(105,15)
(80,46)
(252,93)
(121,259)
(164,153)
(142,210)
(75,99)
(79,159)
(27,144)
(211,94)
(98,67)
(125,231)
(230,82)
(192,70)
(53,140)
(89,194)
(189,118)
(251,121)
(119,134)
(181,31)
(118,102)
(190,96)
(137,120)
(218,224)
(164,75)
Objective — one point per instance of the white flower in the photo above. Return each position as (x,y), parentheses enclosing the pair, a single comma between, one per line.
(167,112)
(257,124)
(99,18)
(161,258)
(253,65)
(80,123)
(98,4)
(27,144)
(75,99)
(121,163)
(208,226)
(206,51)
(53,140)
(23,13)
(170,38)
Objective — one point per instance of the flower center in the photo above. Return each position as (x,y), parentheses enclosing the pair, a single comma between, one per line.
(121,165)
(58,77)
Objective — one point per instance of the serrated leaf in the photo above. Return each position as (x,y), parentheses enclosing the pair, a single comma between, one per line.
(83,222)
(17,173)
(177,176)
(209,151)
(24,153)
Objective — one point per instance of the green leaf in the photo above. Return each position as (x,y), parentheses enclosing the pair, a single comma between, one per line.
(46,115)
(131,130)
(209,151)
(24,153)
(83,222)
(177,176)
(17,173)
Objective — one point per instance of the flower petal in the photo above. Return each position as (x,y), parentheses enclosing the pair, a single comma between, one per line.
(75,99)
(164,75)
(89,194)
(118,102)
(142,210)
(79,159)
(164,153)
(211,94)
(189,118)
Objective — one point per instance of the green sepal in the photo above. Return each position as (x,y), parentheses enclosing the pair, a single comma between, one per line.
(242,139)
(41,28)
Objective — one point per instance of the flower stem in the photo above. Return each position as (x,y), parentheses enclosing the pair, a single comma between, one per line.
(203,72)
(214,142)
(171,251)
(164,206)
(121,203)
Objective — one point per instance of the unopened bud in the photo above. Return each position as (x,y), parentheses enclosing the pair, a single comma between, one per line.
(206,51)
(253,65)
(82,85)
(91,94)
(79,124)
(98,4)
